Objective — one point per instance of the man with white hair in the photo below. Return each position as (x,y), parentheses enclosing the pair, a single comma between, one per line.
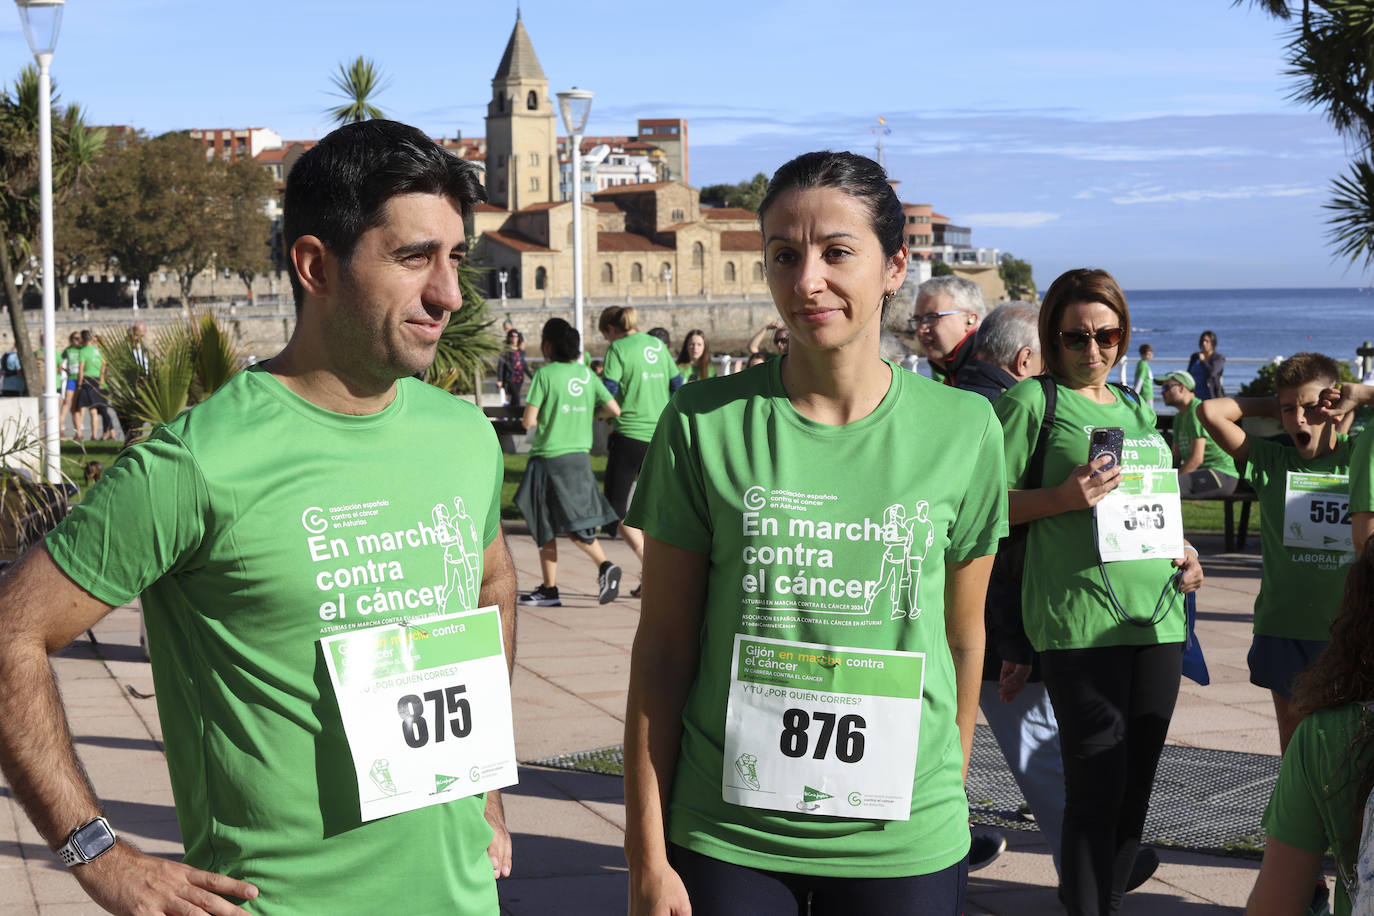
(948,310)
(1005,350)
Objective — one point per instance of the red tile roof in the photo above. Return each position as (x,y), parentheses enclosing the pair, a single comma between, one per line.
(626,241)
(741,240)
(605,206)
(545,205)
(516,242)
(677,227)
(729,213)
(485,207)
(633,188)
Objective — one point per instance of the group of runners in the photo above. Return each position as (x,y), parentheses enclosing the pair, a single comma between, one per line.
(332,614)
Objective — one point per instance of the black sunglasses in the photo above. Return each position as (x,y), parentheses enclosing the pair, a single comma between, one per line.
(1078,340)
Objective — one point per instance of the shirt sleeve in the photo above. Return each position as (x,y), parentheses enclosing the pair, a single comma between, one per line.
(538,389)
(670,501)
(1020,412)
(493,525)
(613,368)
(1294,812)
(600,393)
(146,518)
(982,519)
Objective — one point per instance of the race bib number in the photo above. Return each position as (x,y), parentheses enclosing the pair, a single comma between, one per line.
(1316,512)
(823,730)
(1142,518)
(426,709)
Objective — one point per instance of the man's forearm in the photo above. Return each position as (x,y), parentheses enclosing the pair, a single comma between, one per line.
(499,588)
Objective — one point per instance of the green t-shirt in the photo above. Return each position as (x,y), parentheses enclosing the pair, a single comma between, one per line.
(689,372)
(1187,428)
(826,535)
(253,525)
(1316,805)
(71,359)
(1145,381)
(92,361)
(1064,599)
(567,395)
(1300,587)
(643,367)
(1362,474)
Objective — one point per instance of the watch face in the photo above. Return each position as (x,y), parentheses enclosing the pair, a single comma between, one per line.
(93,839)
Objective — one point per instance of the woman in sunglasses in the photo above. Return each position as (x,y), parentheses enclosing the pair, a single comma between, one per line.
(1109,631)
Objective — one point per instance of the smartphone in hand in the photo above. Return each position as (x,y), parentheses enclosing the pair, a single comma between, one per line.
(1106,440)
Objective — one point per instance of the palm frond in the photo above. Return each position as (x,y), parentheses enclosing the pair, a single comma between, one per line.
(216,357)
(357,83)
(1351,228)
(466,344)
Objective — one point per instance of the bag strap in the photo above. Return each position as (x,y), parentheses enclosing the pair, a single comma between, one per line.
(1035,472)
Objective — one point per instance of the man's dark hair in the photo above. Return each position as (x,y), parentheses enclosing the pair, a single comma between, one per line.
(339,188)
(1301,368)
(562,339)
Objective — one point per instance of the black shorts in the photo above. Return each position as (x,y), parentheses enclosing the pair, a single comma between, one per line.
(90,395)
(624,458)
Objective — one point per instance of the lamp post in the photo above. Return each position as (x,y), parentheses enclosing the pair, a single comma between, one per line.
(575,105)
(133,294)
(42,19)
(502,276)
(667,281)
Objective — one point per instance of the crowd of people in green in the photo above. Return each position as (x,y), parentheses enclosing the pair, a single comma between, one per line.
(842,562)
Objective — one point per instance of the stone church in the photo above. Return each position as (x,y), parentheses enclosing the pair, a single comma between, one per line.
(638,240)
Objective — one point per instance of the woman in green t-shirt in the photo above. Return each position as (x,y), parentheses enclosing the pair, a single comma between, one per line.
(805,676)
(1321,799)
(694,360)
(70,363)
(558,492)
(1109,634)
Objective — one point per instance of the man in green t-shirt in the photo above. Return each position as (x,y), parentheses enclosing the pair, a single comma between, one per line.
(1304,529)
(1205,470)
(322,493)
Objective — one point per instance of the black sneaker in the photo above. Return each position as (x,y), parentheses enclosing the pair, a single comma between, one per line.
(1146,861)
(543,596)
(984,848)
(1024,813)
(608,581)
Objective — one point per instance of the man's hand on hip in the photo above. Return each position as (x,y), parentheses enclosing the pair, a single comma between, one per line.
(126,881)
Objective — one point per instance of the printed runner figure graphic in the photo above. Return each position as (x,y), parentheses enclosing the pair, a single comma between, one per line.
(900,576)
(460,563)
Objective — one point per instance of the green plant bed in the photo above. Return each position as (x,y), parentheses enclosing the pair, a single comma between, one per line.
(1210,515)
(515,469)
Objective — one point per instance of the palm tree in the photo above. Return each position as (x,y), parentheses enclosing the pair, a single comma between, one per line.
(357,82)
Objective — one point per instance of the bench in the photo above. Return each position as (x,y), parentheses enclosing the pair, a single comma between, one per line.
(508,423)
(1244,496)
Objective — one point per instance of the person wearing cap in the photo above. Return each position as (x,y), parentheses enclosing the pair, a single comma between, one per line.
(1205,470)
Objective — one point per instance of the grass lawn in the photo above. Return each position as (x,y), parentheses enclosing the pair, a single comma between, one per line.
(515,469)
(75,455)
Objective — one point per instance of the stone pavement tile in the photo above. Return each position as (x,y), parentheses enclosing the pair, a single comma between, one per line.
(1245,741)
(536,739)
(556,838)
(1220,880)
(572,784)
(52,883)
(1231,718)
(611,811)
(535,698)
(70,909)
(583,895)
(564,663)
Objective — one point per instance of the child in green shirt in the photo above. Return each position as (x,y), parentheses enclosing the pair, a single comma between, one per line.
(1304,532)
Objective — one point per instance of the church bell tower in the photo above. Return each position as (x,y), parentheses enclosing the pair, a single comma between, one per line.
(522,129)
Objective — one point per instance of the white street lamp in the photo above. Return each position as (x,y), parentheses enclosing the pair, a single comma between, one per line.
(575,105)
(502,276)
(667,281)
(133,294)
(42,19)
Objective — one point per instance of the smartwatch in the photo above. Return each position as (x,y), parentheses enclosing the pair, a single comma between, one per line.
(87,842)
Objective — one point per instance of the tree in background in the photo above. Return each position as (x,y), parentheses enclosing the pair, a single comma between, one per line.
(246,247)
(941,269)
(1330,60)
(746,194)
(1016,275)
(161,203)
(466,343)
(357,83)
(75,148)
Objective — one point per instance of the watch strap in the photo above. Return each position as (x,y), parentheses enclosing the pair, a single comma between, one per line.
(71,854)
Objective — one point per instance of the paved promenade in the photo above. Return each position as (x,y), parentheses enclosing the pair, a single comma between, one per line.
(570,683)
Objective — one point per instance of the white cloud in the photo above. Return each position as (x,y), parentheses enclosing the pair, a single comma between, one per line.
(1158,195)
(1011,220)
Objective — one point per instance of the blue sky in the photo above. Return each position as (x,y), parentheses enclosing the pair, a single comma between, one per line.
(1155,140)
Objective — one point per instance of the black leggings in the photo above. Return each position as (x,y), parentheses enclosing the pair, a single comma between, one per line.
(718,888)
(1113,705)
(624,458)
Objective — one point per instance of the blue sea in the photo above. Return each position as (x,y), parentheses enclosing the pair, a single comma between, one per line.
(1253,326)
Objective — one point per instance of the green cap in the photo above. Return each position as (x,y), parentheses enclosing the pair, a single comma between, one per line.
(1177,377)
